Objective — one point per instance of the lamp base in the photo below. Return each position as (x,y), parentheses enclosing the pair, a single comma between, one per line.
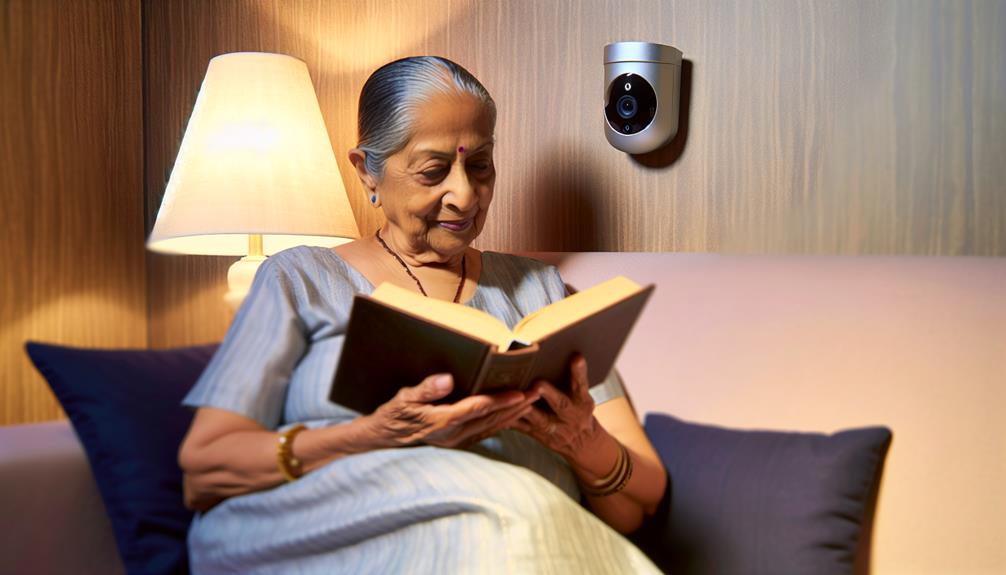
(239,279)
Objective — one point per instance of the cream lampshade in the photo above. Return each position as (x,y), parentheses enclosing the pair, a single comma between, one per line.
(255,173)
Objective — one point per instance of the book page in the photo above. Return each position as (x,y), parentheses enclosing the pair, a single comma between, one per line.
(467,320)
(558,315)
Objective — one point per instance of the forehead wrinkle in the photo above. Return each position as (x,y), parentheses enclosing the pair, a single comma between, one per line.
(423,152)
(432,151)
(440,126)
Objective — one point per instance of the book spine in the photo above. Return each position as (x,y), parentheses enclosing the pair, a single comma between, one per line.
(526,381)
(507,370)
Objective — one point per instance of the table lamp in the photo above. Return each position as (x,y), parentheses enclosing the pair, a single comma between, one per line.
(255,173)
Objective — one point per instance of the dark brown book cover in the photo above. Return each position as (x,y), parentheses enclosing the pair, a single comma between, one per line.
(386,349)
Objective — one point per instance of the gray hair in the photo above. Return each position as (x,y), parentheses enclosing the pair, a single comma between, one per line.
(392,94)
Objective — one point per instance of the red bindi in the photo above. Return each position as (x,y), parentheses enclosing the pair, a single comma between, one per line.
(461,149)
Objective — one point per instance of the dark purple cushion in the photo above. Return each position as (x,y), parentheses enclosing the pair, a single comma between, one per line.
(125,406)
(764,502)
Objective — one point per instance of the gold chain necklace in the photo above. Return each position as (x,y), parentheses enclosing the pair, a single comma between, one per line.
(457,296)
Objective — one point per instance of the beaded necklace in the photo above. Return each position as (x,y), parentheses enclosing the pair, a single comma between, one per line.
(457,296)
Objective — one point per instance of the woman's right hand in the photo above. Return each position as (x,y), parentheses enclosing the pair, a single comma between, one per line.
(412,418)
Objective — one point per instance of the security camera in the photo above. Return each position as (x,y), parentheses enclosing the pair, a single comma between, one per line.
(642,89)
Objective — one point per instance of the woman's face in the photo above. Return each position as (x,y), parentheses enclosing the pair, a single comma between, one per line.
(436,191)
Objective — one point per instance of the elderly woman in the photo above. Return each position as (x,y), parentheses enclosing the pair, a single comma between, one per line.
(285,481)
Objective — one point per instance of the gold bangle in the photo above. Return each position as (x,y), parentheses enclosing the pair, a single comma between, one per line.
(614,481)
(289,465)
(601,486)
(616,470)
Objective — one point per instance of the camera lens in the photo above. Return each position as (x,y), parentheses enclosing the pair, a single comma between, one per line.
(626,106)
(630,104)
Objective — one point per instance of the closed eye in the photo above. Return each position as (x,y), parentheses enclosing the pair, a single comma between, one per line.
(434,175)
(481,166)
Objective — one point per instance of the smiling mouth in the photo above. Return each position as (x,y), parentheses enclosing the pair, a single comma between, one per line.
(457,225)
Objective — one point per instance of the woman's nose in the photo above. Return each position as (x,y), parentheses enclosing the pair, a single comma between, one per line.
(461,193)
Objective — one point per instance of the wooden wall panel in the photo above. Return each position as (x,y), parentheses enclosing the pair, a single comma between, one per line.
(812,127)
(71,187)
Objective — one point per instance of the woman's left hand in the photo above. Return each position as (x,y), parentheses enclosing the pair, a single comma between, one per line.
(572,425)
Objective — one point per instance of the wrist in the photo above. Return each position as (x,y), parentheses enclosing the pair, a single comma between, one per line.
(604,465)
(327,443)
(596,454)
(368,433)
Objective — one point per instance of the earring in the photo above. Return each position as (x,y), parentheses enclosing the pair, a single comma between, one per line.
(373,198)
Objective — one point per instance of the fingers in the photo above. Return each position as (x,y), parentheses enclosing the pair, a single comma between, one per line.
(524,427)
(476,416)
(579,389)
(432,388)
(557,400)
(579,382)
(539,419)
(480,429)
(479,406)
(537,424)
(508,417)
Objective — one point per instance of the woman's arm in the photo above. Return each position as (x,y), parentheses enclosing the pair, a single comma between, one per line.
(226,454)
(625,510)
(588,439)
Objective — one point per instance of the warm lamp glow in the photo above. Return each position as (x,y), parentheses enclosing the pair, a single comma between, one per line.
(255,161)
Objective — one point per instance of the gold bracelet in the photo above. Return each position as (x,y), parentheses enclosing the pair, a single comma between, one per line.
(614,481)
(289,465)
(616,470)
(602,486)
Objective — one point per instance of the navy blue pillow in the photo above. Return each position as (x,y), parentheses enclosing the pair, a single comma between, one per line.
(764,502)
(125,406)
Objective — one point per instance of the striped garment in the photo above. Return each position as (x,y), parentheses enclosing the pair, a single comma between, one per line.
(506,505)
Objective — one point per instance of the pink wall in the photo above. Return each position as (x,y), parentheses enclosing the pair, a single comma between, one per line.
(821,343)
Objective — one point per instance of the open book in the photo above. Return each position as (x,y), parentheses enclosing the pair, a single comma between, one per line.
(397,337)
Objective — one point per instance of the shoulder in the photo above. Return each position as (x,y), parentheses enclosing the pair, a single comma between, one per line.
(306,265)
(298,259)
(307,276)
(516,266)
(524,277)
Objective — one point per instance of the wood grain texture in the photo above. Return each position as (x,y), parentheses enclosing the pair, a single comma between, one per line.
(811,127)
(71,144)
